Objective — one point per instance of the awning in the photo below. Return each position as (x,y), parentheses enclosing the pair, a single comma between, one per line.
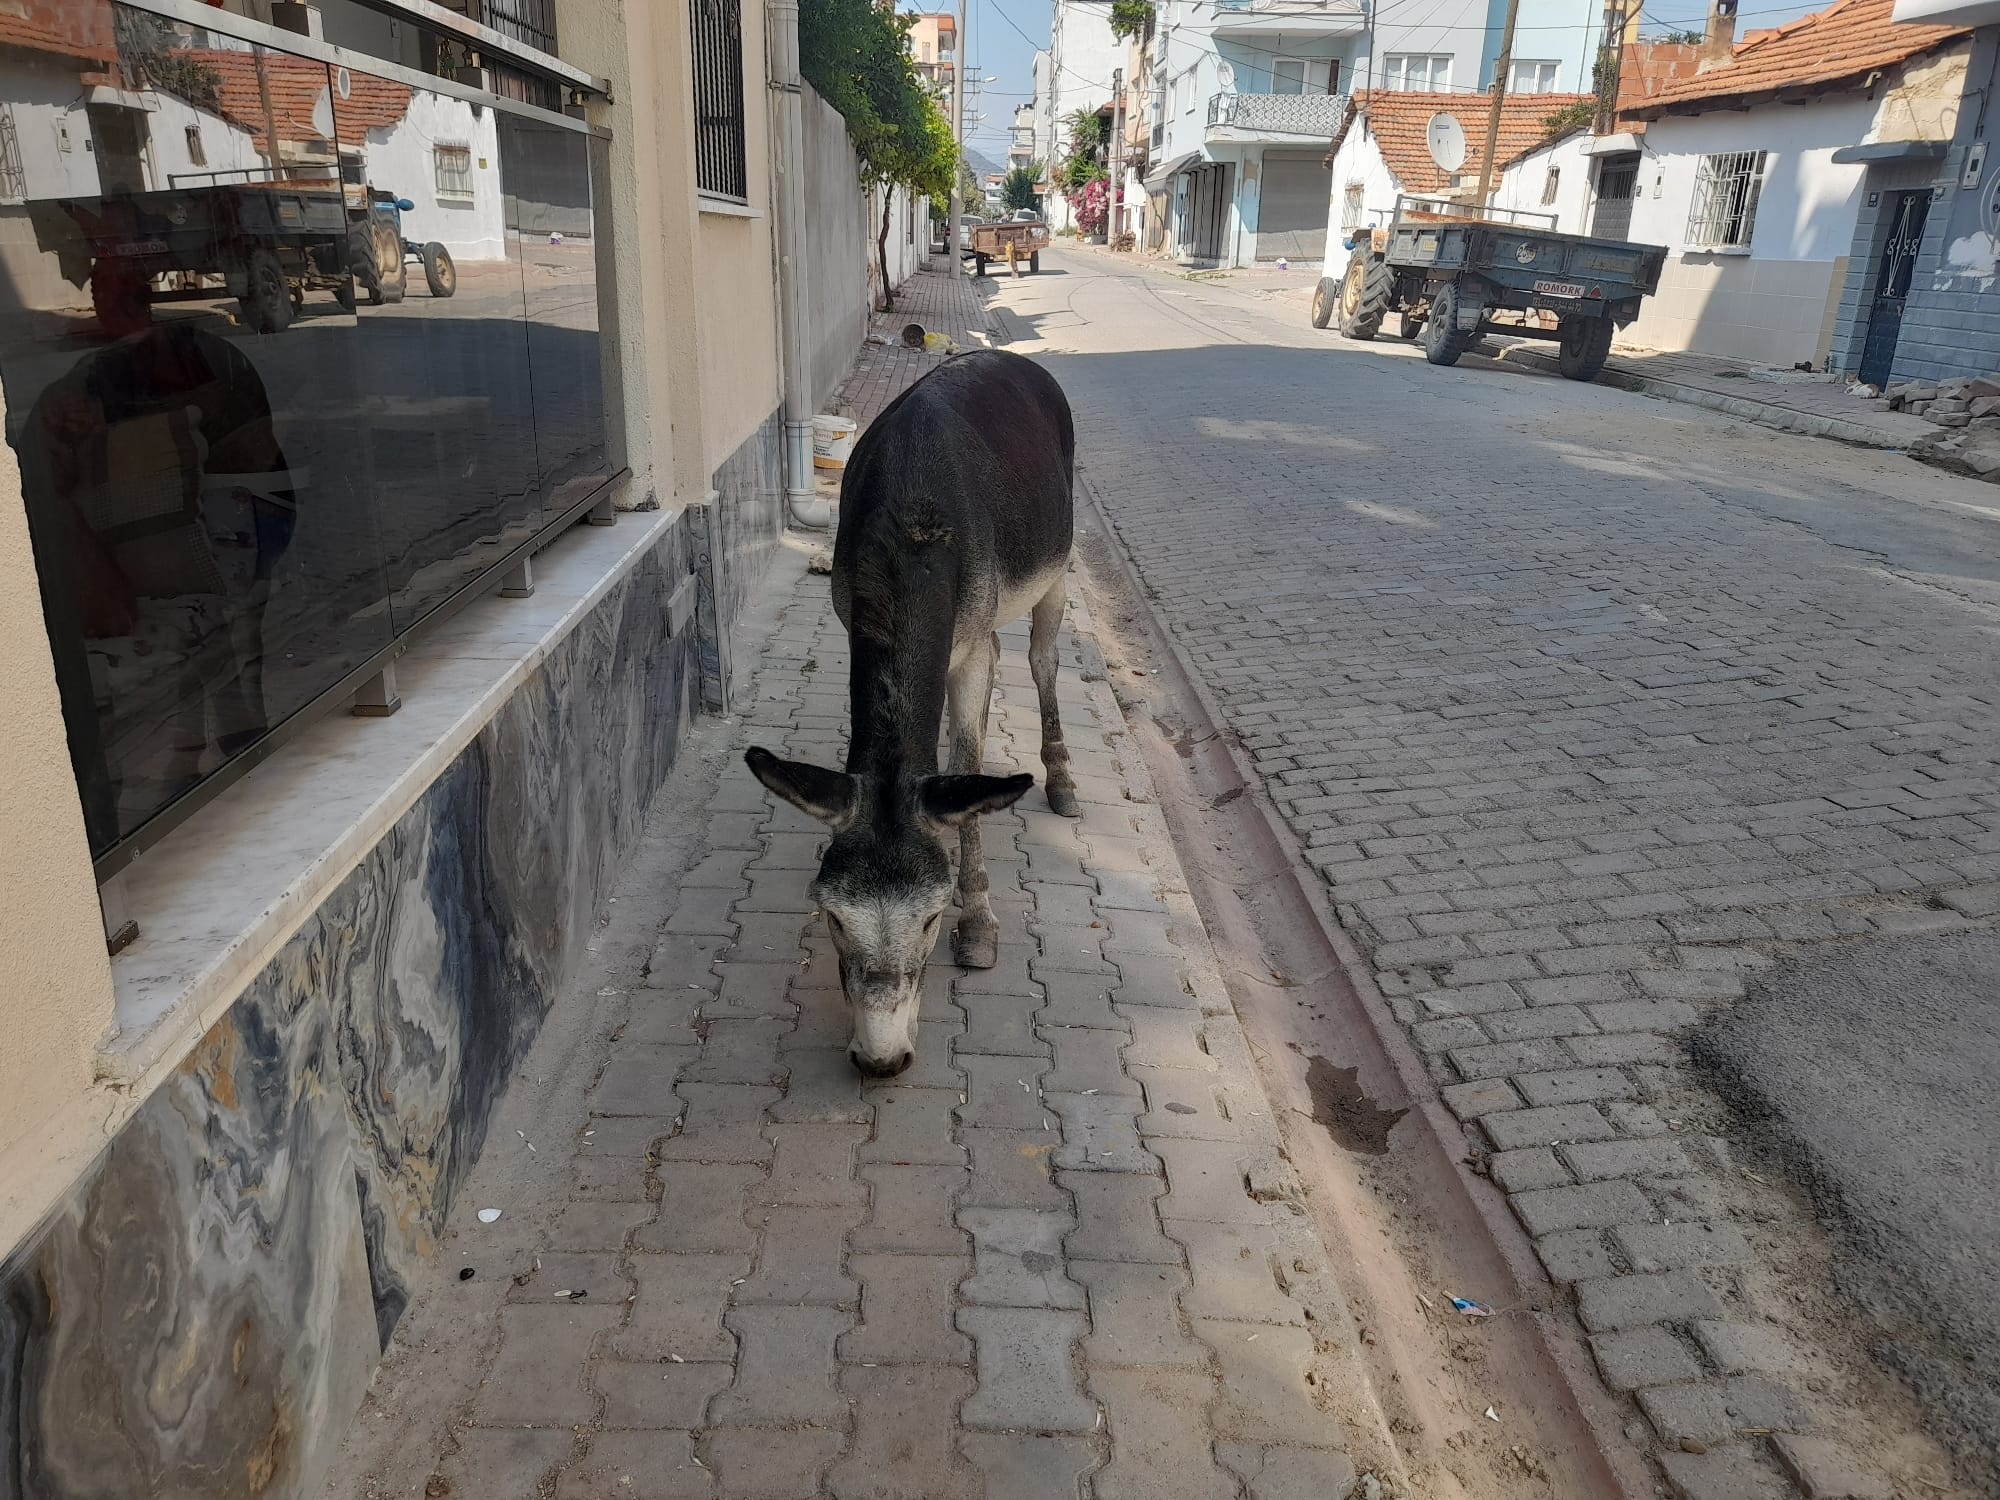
(1612,145)
(1891,151)
(1157,178)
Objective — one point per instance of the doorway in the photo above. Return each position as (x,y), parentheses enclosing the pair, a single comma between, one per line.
(118,138)
(1617,186)
(1906,213)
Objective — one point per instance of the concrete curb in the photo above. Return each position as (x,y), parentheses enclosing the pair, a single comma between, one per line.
(1559,1333)
(1811,424)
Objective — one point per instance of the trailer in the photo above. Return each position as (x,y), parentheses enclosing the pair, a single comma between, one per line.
(1450,278)
(269,240)
(1013,241)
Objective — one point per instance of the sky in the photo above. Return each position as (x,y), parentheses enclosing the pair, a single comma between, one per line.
(1003,35)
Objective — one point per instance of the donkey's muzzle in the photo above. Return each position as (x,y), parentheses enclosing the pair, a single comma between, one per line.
(870,1067)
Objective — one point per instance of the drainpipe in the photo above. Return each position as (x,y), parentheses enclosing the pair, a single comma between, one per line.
(781,36)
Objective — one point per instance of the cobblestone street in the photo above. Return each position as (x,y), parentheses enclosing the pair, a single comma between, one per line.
(1588,711)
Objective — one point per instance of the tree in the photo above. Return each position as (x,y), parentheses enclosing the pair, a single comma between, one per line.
(857,56)
(1131,18)
(1018,191)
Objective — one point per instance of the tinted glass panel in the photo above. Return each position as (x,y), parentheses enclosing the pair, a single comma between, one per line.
(170,340)
(287,362)
(548,175)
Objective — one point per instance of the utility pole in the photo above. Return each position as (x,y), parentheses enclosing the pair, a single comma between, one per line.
(1500,67)
(1115,203)
(952,230)
(1610,61)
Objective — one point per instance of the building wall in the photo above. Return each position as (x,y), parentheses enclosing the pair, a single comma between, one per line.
(1565,32)
(201,1311)
(1771,305)
(1951,324)
(1871,229)
(57,997)
(836,279)
(735,261)
(1524,184)
(1359,160)
(402,160)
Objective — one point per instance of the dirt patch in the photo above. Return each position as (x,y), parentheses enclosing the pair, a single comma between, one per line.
(1349,1115)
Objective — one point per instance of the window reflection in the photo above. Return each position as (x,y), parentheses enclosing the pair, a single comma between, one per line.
(292,354)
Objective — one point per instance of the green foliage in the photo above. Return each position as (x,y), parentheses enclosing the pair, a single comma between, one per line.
(1018,191)
(1682,38)
(1090,143)
(1131,18)
(151,46)
(1570,117)
(857,56)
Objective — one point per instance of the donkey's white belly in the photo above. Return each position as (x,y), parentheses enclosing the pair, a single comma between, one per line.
(1013,604)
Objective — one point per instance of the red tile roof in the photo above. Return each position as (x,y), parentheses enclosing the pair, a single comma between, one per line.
(1399,123)
(1835,47)
(61,27)
(296,84)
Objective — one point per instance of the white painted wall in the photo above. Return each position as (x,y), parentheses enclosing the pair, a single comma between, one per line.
(52,127)
(1808,204)
(400,160)
(226,147)
(1523,184)
(1358,160)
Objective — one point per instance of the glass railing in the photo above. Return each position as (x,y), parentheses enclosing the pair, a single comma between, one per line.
(294,356)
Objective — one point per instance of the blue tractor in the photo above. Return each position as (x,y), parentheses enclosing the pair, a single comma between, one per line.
(380,255)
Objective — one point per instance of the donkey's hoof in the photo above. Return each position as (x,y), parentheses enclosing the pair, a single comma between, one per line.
(1063,803)
(976,947)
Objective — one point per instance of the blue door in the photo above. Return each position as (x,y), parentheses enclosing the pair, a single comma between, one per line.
(1892,284)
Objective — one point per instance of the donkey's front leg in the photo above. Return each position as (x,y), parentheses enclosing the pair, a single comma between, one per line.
(1043,629)
(976,944)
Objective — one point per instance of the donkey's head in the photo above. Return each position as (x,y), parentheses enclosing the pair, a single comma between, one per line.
(884,883)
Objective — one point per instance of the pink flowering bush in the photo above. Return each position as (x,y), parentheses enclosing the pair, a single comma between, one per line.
(1091,205)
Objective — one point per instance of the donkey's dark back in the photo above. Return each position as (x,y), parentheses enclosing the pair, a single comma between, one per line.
(983,451)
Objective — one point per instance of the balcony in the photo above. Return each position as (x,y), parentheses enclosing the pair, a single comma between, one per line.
(1277,119)
(1302,18)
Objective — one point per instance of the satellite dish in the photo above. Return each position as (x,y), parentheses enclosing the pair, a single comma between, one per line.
(1446,138)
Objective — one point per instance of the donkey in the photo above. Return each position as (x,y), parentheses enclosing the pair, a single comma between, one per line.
(955,518)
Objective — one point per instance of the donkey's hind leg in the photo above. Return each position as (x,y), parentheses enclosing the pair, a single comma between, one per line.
(976,943)
(1043,629)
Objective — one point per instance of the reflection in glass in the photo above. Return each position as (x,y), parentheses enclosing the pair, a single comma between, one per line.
(201,576)
(292,354)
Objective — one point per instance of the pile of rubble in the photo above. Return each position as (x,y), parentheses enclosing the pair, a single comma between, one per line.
(1968,408)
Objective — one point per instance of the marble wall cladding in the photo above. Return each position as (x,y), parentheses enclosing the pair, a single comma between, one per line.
(201,1315)
(736,536)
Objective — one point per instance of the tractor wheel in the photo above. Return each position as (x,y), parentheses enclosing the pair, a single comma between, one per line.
(1443,343)
(1583,348)
(343,293)
(1365,294)
(267,295)
(121,298)
(395,280)
(978,265)
(1034,263)
(1410,325)
(1325,295)
(440,275)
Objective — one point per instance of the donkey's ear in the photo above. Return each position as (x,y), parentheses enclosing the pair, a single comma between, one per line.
(955,800)
(814,790)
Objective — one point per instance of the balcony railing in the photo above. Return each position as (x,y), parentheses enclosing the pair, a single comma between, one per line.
(1288,15)
(1312,117)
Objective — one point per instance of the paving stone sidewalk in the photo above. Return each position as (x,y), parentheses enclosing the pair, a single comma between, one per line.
(1056,1258)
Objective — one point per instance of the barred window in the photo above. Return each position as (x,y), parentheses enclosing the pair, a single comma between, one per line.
(1351,207)
(1726,189)
(1551,185)
(720,156)
(453,167)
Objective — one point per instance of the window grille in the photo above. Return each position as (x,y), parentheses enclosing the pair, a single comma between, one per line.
(1726,189)
(720,157)
(453,166)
